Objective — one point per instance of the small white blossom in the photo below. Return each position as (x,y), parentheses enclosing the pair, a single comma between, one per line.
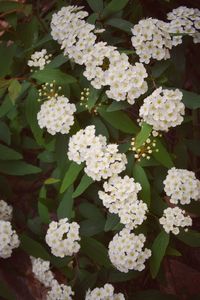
(39,59)
(181,186)
(62,237)
(41,270)
(59,292)
(184,21)
(126,251)
(151,40)
(5,211)
(108,67)
(104,293)
(8,239)
(102,160)
(74,34)
(120,197)
(173,219)
(163,109)
(56,114)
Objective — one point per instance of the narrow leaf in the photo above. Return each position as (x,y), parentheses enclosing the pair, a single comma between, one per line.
(33,248)
(48,75)
(158,251)
(7,153)
(162,156)
(19,168)
(143,134)
(141,177)
(85,182)
(70,176)
(65,207)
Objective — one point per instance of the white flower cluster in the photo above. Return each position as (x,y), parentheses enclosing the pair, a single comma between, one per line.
(126,251)
(181,186)
(8,239)
(120,197)
(151,39)
(163,109)
(102,160)
(41,270)
(104,293)
(56,114)
(73,33)
(184,20)
(59,291)
(39,59)
(108,67)
(173,218)
(62,237)
(105,66)
(5,211)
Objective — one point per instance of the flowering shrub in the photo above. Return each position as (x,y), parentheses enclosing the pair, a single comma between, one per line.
(99,146)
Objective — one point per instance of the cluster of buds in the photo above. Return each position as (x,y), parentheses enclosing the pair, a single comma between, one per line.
(49,91)
(84,101)
(145,150)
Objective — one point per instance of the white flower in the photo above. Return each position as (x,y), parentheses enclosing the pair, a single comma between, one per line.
(104,293)
(102,160)
(184,20)
(8,239)
(41,270)
(5,211)
(108,67)
(120,197)
(56,114)
(39,59)
(173,219)
(73,33)
(126,251)
(151,40)
(62,237)
(181,186)
(163,109)
(59,292)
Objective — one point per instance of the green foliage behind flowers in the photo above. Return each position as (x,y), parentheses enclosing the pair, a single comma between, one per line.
(83,146)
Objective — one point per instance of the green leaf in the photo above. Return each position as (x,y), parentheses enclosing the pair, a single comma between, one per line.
(91,227)
(4,133)
(160,67)
(190,99)
(162,156)
(95,250)
(96,6)
(90,211)
(158,252)
(48,75)
(58,61)
(51,181)
(6,292)
(6,54)
(31,109)
(173,252)
(115,105)
(6,106)
(119,23)
(191,238)
(93,97)
(65,207)
(85,182)
(14,89)
(19,168)
(33,248)
(28,33)
(117,276)
(143,135)
(42,207)
(70,176)
(140,176)
(111,222)
(8,153)
(100,127)
(125,124)
(114,6)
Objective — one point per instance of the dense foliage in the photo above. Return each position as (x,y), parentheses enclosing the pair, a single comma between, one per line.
(99,153)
